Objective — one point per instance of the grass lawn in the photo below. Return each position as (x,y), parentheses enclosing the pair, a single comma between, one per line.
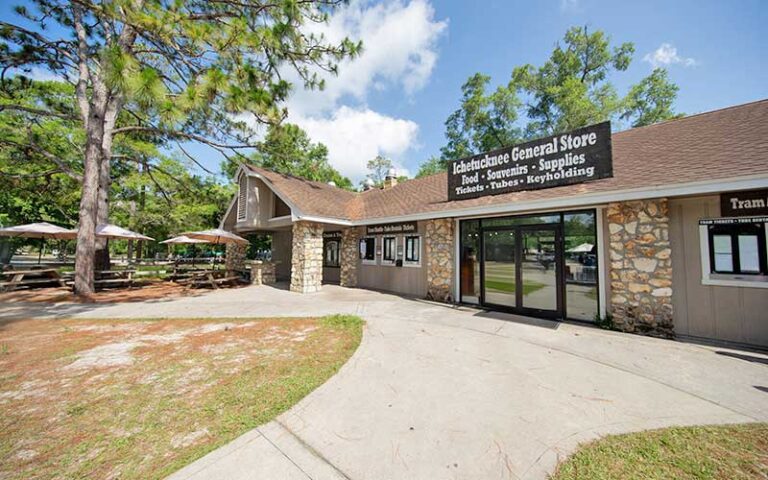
(731,452)
(506,287)
(142,398)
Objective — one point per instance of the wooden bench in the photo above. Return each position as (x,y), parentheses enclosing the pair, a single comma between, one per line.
(112,278)
(30,278)
(210,279)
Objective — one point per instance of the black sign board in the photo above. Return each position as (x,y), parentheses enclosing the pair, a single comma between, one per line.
(575,157)
(331,235)
(739,204)
(404,227)
(732,220)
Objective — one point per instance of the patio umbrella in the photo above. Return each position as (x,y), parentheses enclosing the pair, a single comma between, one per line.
(216,236)
(183,239)
(107,230)
(41,230)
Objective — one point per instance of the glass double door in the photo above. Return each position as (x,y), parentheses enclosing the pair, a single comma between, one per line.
(521,269)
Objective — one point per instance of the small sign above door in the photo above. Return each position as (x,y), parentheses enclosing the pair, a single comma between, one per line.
(404,227)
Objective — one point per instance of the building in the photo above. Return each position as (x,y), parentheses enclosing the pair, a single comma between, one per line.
(667,237)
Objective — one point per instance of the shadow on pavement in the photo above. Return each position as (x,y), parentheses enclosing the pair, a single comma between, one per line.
(508,317)
(741,356)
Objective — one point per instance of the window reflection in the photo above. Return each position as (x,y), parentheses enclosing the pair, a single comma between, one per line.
(580,237)
(470,261)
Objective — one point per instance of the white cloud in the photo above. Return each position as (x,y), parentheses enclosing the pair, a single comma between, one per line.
(667,54)
(355,135)
(399,53)
(399,50)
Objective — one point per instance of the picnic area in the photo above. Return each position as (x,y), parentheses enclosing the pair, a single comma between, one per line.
(55,281)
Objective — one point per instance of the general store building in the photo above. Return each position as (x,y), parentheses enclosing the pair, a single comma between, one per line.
(671,241)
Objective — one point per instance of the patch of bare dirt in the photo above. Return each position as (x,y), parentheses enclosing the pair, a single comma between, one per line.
(85,398)
(153,291)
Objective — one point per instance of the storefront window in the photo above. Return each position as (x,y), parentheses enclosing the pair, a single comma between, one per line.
(738,248)
(581,291)
(368,249)
(389,250)
(470,261)
(413,249)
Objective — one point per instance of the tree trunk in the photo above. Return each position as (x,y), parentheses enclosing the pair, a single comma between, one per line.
(86,233)
(142,205)
(89,199)
(105,181)
(102,215)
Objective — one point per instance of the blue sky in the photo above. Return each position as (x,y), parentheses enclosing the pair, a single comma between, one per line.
(394,99)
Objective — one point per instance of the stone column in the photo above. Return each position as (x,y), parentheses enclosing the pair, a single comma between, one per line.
(439,248)
(235,257)
(262,273)
(348,257)
(641,267)
(307,257)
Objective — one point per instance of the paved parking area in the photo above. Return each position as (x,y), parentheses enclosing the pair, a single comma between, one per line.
(441,392)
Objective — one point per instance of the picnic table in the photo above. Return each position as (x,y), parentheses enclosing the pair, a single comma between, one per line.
(110,278)
(184,272)
(206,278)
(36,277)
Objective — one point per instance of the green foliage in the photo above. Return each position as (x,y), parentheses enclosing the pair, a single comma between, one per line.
(185,66)
(606,323)
(571,89)
(40,158)
(483,122)
(150,192)
(432,166)
(162,198)
(288,149)
(650,101)
(379,166)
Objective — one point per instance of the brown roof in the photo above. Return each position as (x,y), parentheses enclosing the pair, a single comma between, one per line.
(312,198)
(723,144)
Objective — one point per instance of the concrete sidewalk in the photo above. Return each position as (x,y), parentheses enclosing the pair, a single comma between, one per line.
(442,392)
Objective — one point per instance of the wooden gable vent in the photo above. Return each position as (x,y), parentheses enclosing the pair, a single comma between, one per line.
(242,197)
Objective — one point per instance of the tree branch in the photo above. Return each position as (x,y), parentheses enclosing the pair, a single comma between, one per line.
(176,133)
(63,167)
(37,111)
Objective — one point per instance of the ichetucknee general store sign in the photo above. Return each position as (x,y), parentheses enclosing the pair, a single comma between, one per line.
(578,156)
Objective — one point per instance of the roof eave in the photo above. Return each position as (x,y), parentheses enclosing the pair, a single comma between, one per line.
(585,200)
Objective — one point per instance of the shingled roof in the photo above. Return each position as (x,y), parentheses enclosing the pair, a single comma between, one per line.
(724,144)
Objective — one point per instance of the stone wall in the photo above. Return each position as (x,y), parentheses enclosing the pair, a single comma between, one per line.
(439,248)
(262,273)
(641,267)
(348,257)
(307,257)
(235,257)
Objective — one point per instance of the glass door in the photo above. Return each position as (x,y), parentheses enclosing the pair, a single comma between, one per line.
(521,269)
(499,272)
(539,269)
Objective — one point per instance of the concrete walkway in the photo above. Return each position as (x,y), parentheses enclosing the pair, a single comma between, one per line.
(442,392)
